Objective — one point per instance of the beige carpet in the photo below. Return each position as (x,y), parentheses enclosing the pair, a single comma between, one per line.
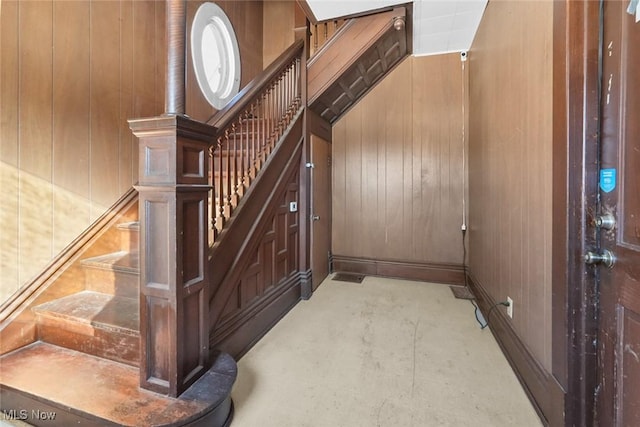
(382,353)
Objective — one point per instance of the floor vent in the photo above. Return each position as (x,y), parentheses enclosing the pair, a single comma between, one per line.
(348,277)
(462,292)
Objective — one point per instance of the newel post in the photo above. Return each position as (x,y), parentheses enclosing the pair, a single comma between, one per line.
(173,203)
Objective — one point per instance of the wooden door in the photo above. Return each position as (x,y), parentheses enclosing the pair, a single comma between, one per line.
(320,209)
(618,395)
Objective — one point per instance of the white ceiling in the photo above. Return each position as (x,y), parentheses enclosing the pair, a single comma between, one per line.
(439,26)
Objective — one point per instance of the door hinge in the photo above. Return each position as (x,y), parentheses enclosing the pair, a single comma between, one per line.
(310,165)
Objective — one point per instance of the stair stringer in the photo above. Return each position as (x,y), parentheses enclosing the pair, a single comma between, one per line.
(232,255)
(64,275)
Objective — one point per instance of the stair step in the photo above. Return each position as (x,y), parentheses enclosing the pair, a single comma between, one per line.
(129,236)
(94,323)
(85,390)
(115,273)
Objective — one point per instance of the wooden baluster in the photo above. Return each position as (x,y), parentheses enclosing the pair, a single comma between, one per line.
(326,32)
(212,200)
(220,190)
(291,92)
(233,150)
(228,186)
(298,82)
(315,38)
(278,109)
(271,118)
(263,125)
(255,132)
(243,154)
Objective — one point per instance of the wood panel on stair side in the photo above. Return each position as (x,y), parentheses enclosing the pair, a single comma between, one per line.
(268,286)
(352,62)
(255,264)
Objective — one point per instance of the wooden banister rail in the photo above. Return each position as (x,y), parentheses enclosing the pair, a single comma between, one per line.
(248,130)
(222,118)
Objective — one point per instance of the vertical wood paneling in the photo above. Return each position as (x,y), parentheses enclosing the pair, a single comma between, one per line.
(400,147)
(510,164)
(105,104)
(71,74)
(35,135)
(278,28)
(9,149)
(127,141)
(71,211)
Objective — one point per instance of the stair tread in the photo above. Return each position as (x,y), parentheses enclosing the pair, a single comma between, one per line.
(108,390)
(123,261)
(95,309)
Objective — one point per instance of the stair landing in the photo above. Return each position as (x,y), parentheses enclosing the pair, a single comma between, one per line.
(88,390)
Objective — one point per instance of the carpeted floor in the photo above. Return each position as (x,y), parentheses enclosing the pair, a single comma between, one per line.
(382,353)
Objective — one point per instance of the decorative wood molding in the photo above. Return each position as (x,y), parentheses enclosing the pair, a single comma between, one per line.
(544,391)
(238,334)
(337,77)
(227,255)
(426,272)
(174,276)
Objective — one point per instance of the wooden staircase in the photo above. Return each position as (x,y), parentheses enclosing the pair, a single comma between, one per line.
(81,344)
(83,369)
(103,319)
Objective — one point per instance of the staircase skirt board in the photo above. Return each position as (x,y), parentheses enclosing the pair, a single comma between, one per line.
(48,385)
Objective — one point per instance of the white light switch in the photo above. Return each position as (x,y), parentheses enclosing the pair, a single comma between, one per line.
(293,206)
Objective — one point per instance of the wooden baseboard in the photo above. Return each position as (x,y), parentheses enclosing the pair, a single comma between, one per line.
(544,391)
(427,272)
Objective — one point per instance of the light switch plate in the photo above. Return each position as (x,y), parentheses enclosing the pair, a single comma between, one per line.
(293,206)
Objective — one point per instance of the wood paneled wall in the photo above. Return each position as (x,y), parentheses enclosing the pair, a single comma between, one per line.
(246,18)
(397,166)
(510,164)
(71,74)
(278,28)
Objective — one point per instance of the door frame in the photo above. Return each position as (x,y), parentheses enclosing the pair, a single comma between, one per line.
(576,110)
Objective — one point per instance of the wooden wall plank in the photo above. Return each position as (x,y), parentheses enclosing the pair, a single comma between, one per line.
(9,148)
(127,141)
(404,142)
(510,164)
(35,136)
(105,104)
(71,76)
(66,151)
(278,28)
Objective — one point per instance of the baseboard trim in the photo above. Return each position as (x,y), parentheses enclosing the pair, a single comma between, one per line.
(452,274)
(544,391)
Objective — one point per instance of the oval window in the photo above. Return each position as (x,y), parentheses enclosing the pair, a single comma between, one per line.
(215,55)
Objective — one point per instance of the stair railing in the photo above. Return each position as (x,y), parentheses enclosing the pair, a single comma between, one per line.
(321,32)
(248,129)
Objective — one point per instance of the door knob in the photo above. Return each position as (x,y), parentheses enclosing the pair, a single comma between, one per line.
(605,258)
(606,222)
